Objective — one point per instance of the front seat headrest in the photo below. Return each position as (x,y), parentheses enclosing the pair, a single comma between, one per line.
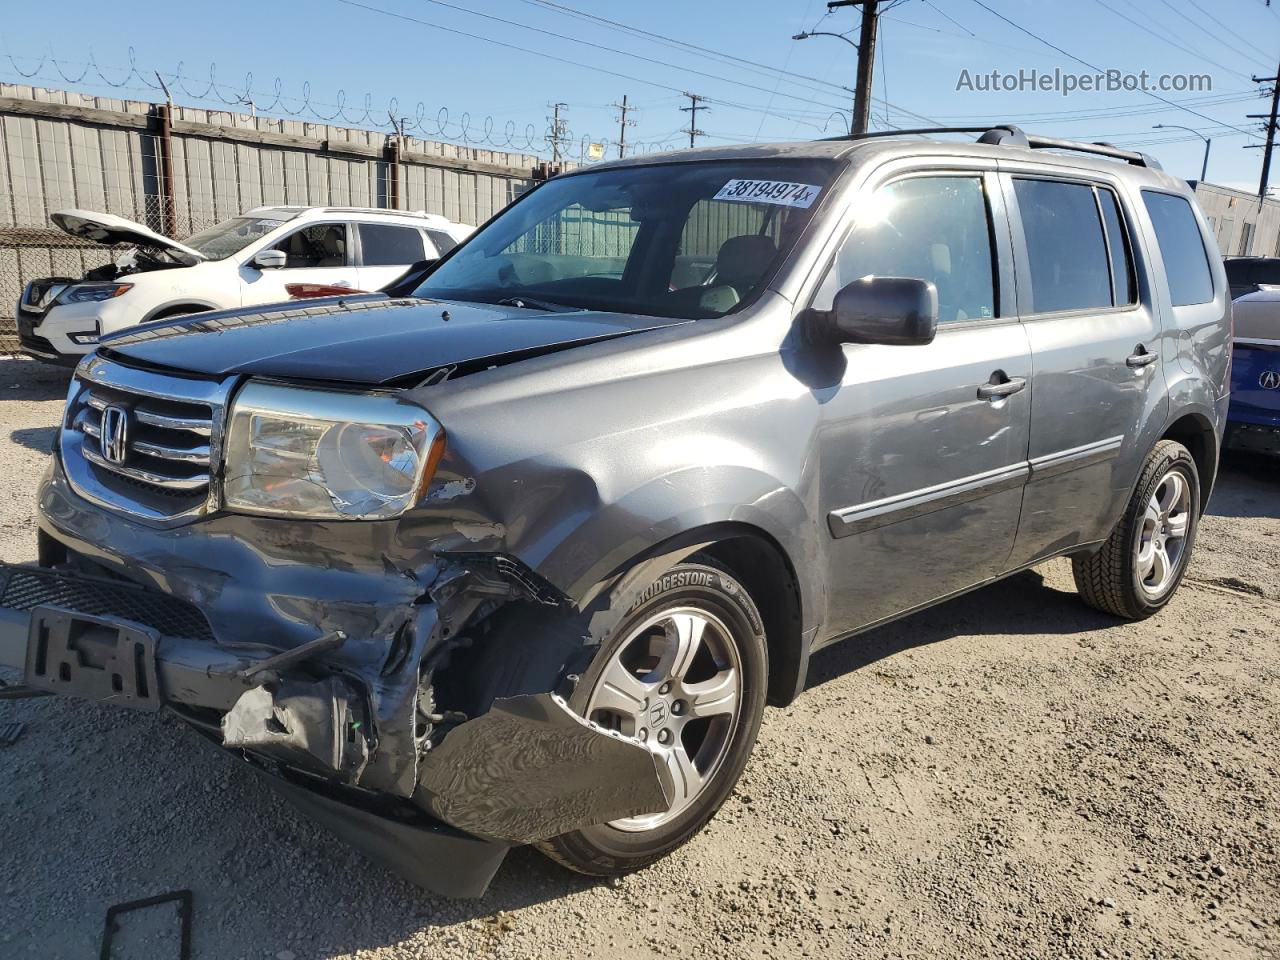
(743,260)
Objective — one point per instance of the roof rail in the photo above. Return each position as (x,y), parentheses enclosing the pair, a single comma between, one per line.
(1008,135)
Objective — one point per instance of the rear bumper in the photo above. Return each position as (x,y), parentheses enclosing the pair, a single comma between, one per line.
(1252,437)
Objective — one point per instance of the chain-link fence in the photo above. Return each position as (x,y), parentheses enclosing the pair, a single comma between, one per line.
(180,170)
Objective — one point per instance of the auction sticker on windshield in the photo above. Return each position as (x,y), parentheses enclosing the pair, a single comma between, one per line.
(779,192)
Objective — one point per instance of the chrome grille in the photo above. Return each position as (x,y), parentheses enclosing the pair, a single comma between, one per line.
(158,460)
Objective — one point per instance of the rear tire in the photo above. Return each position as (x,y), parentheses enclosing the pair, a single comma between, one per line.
(1140,566)
(686,670)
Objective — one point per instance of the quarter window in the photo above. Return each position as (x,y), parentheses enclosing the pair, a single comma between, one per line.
(928,228)
(1066,250)
(1186,263)
(382,245)
(442,241)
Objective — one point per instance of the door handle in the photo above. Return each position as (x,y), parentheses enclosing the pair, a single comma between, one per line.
(1001,386)
(1141,357)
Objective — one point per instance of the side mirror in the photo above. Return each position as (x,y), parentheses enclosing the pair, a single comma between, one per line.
(901,311)
(270,259)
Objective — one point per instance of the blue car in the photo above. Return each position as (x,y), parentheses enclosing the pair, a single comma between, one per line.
(1253,422)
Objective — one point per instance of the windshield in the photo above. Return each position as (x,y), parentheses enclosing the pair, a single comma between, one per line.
(695,239)
(231,236)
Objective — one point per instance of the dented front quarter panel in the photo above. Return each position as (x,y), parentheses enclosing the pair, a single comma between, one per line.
(578,464)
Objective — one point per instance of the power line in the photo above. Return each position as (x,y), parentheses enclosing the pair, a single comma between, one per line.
(1082,117)
(706,51)
(600,70)
(1097,69)
(939,10)
(676,43)
(1210,17)
(544,55)
(619,52)
(791,48)
(1160,36)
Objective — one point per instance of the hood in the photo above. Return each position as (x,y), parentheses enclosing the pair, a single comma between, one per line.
(107,228)
(368,340)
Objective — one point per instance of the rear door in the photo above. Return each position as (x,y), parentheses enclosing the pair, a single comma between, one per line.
(318,253)
(1098,391)
(386,252)
(923,448)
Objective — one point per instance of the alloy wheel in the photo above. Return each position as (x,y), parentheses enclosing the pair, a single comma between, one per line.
(1162,534)
(675,684)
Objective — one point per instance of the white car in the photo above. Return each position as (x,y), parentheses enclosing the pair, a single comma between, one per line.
(247,260)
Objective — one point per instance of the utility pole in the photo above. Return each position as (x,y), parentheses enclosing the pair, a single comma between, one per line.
(866,60)
(695,104)
(1271,129)
(623,123)
(559,129)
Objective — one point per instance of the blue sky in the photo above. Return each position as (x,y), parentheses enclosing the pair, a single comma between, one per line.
(358,52)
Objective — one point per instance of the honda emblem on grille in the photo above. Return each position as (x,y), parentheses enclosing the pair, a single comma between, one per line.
(114,438)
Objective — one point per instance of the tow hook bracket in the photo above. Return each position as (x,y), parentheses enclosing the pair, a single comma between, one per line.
(531,769)
(314,725)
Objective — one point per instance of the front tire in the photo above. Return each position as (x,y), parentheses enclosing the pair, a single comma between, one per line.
(685,671)
(1140,566)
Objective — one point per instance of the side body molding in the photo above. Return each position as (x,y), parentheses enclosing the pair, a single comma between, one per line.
(919,503)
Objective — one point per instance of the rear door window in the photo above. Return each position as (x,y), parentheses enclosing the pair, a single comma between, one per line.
(1066,247)
(384,245)
(1186,262)
(1117,249)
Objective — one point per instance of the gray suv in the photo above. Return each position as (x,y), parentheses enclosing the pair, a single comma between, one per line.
(519,555)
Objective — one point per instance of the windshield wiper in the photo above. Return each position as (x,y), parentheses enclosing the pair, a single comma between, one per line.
(529,303)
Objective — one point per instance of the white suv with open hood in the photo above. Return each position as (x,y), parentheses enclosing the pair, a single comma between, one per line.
(264,256)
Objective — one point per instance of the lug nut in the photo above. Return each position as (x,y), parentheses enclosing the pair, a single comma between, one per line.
(664,737)
(665,688)
(678,707)
(643,734)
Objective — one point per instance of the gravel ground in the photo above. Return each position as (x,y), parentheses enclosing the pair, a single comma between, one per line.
(1007,775)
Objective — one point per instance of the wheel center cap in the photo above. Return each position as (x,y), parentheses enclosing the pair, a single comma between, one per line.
(658,712)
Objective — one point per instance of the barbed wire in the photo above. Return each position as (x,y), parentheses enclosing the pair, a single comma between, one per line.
(466,130)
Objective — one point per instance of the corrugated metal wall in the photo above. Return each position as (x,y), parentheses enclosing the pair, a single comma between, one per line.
(61,149)
(1242,224)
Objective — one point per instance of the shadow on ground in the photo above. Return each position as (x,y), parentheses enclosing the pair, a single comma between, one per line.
(1248,486)
(22,378)
(39,439)
(1022,604)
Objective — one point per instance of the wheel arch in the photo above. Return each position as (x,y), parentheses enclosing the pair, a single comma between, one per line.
(1194,430)
(758,561)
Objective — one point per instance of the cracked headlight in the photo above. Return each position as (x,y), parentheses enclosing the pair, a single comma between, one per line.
(322,454)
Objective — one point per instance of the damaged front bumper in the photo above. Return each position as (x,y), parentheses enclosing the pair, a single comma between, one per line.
(340,737)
